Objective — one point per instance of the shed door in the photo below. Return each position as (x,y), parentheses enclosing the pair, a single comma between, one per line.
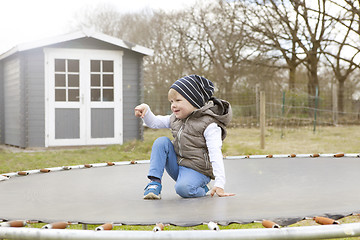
(84,97)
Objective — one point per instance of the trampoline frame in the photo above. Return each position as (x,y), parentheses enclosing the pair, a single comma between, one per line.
(309,232)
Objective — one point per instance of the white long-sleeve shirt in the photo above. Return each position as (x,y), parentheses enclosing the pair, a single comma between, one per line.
(212,135)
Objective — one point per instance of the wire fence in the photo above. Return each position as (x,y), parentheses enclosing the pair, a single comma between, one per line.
(294,109)
(284,109)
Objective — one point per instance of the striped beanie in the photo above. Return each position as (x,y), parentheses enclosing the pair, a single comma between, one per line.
(196,89)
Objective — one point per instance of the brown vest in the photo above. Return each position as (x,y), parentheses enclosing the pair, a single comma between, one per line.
(189,141)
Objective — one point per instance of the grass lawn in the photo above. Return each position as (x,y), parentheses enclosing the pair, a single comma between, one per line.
(240,141)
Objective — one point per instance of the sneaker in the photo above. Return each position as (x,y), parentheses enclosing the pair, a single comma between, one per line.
(152,191)
(208,187)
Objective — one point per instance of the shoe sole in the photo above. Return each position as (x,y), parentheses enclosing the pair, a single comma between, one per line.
(152,196)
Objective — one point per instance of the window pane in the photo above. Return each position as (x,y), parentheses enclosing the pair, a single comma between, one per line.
(108,95)
(95,95)
(59,65)
(95,80)
(73,65)
(60,95)
(95,66)
(108,66)
(60,80)
(73,80)
(73,95)
(108,80)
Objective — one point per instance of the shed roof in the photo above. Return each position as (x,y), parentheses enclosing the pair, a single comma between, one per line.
(77,35)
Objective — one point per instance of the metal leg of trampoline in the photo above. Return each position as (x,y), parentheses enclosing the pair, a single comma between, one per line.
(84,226)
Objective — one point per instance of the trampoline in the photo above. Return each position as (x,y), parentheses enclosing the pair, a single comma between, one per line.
(280,188)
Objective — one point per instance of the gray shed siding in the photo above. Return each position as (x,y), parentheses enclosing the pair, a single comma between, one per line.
(1,104)
(22,100)
(34,74)
(12,102)
(132,78)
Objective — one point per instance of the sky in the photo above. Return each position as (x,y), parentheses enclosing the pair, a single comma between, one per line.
(23,21)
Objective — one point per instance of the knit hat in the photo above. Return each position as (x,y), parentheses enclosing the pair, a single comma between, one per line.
(196,89)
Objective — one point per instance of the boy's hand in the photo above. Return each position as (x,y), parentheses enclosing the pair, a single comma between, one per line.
(140,110)
(220,192)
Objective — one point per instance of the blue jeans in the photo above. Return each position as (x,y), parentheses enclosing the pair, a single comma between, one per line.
(189,183)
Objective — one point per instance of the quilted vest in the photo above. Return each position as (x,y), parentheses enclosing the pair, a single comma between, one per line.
(189,141)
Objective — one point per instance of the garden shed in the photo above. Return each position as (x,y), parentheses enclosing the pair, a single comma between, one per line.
(72,90)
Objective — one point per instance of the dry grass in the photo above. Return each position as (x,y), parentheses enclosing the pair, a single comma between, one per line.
(242,141)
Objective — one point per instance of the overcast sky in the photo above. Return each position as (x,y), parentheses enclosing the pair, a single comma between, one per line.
(24,21)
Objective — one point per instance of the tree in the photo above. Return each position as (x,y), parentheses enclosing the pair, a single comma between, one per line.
(152,29)
(304,25)
(169,61)
(219,46)
(275,33)
(131,27)
(343,53)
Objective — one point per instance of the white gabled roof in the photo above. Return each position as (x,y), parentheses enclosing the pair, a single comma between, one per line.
(78,35)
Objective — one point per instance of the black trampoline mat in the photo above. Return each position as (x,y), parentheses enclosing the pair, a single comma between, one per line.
(284,190)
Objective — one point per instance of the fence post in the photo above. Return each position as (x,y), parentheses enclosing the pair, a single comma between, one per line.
(335,105)
(316,106)
(262,119)
(282,114)
(257,87)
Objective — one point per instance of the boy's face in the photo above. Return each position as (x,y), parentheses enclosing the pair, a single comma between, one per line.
(179,105)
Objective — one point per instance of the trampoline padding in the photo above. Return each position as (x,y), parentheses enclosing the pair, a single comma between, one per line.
(283,190)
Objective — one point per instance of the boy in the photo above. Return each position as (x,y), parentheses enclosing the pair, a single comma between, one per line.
(198,125)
